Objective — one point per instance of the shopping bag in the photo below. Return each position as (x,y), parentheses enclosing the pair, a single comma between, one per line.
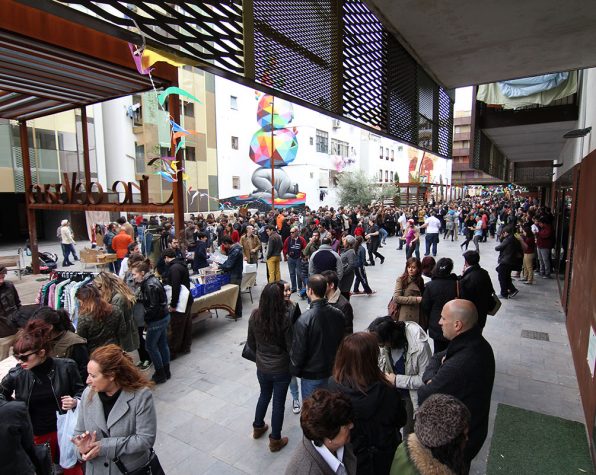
(66,427)
(182,298)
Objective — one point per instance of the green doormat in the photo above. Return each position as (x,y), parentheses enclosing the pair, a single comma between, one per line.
(527,442)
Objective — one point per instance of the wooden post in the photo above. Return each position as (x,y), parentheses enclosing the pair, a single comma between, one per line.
(86,163)
(28,182)
(178,185)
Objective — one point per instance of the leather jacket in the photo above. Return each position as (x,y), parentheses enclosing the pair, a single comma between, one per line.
(64,377)
(317,335)
(272,356)
(9,304)
(154,299)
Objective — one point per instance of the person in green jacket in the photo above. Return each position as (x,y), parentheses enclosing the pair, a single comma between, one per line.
(437,445)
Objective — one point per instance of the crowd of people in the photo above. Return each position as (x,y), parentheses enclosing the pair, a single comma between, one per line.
(410,394)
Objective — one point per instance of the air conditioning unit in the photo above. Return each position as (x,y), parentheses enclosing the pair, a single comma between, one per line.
(336,123)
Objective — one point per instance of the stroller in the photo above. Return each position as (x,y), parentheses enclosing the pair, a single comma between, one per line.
(48,261)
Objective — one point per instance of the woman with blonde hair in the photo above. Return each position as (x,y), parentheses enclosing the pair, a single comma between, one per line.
(100,322)
(115,291)
(116,424)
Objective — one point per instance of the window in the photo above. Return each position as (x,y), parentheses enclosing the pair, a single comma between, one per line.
(139,158)
(386,154)
(312,141)
(164,152)
(386,175)
(191,154)
(234,103)
(322,141)
(235,143)
(381,175)
(340,148)
(45,139)
(391,176)
(381,153)
(189,109)
(236,182)
(392,155)
(137,110)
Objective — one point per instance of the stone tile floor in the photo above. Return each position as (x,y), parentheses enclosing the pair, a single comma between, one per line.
(205,411)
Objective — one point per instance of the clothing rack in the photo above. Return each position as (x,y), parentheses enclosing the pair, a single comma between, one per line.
(72,275)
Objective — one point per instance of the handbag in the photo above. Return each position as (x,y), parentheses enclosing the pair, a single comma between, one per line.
(393,309)
(494,308)
(248,353)
(43,454)
(152,467)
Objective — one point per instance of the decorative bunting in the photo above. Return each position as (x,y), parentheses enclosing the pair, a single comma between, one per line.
(175,90)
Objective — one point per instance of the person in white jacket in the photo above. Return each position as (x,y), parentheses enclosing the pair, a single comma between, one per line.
(405,353)
(68,242)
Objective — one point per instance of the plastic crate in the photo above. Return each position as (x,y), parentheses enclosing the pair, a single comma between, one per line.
(212,287)
(225,279)
(198,291)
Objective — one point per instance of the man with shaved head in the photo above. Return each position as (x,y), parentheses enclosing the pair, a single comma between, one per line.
(465,370)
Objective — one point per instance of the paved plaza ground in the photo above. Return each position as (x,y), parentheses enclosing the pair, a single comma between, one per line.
(206,410)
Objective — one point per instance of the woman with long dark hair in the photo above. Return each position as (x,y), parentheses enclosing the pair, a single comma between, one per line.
(443,287)
(152,296)
(294,313)
(100,322)
(117,388)
(378,410)
(407,294)
(47,385)
(405,354)
(270,336)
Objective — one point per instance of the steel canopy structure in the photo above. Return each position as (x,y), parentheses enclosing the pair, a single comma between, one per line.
(49,64)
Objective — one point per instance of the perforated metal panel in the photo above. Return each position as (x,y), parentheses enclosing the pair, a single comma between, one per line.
(295,48)
(364,65)
(334,54)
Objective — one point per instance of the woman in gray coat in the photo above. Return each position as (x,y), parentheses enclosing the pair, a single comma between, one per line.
(116,414)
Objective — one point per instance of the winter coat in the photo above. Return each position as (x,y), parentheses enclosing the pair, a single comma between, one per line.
(70,345)
(341,303)
(17,454)
(437,293)
(467,373)
(129,335)
(413,458)
(349,261)
(272,356)
(510,252)
(128,433)
(407,299)
(152,296)
(476,286)
(102,332)
(177,277)
(307,461)
(417,359)
(200,258)
(544,237)
(317,335)
(324,259)
(234,264)
(378,416)
(64,377)
(9,304)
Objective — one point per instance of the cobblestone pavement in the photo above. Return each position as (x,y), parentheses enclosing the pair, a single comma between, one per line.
(206,410)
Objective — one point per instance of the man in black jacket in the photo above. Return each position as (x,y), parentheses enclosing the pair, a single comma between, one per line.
(465,370)
(180,335)
(510,258)
(476,286)
(317,334)
(17,454)
(337,300)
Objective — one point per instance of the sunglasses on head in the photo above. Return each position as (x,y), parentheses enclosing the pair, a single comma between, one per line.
(25,356)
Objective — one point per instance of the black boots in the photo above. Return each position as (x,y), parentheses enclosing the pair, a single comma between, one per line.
(166,368)
(159,377)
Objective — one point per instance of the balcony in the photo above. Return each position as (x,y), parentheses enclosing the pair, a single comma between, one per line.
(460,152)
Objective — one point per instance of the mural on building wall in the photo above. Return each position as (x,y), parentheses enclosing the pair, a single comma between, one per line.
(274,143)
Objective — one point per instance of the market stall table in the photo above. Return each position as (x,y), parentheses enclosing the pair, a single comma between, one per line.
(224,299)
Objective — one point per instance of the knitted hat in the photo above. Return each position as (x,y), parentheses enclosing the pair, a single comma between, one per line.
(440,419)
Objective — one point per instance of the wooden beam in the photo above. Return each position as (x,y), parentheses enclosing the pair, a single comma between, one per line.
(114,207)
(30,211)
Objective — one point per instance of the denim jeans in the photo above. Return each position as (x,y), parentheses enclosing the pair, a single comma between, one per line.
(67,249)
(276,385)
(308,386)
(156,342)
(544,260)
(294,388)
(431,239)
(413,248)
(382,235)
(361,278)
(294,268)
